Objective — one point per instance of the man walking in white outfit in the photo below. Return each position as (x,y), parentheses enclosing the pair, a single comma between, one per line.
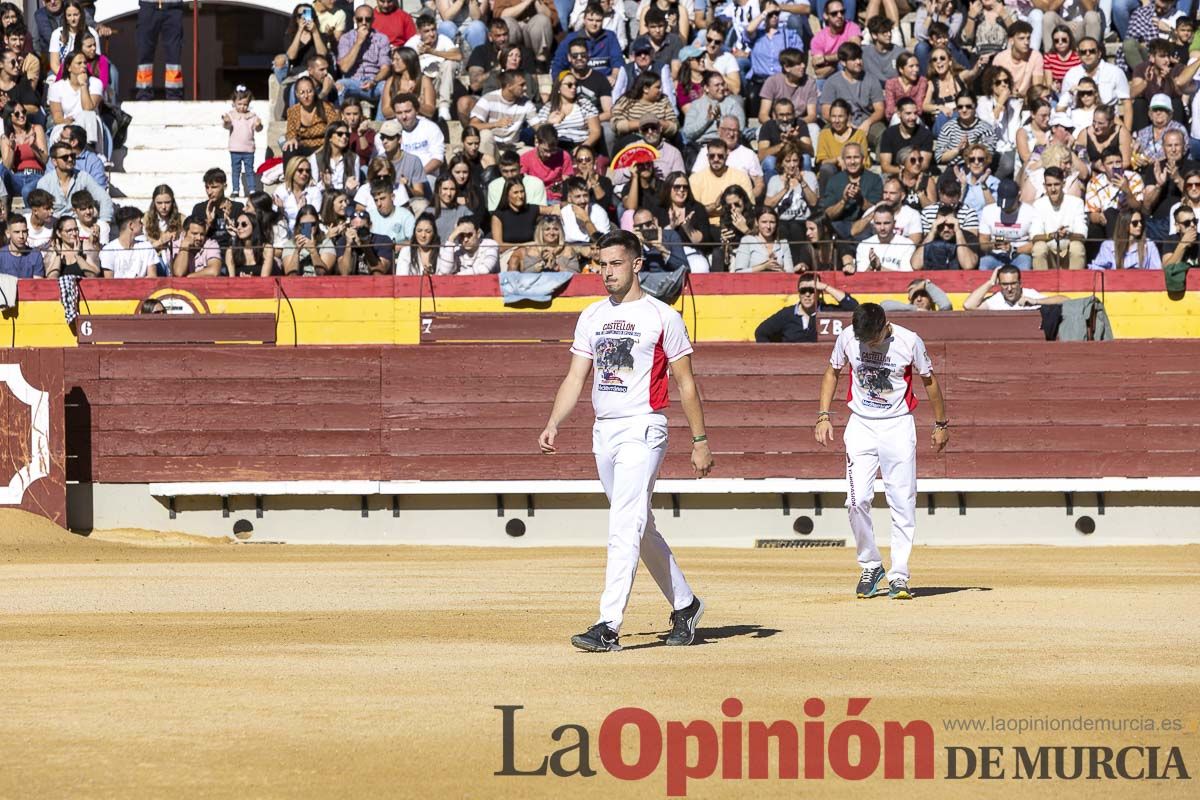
(881,434)
(630,338)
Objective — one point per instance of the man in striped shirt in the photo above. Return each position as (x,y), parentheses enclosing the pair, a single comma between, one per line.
(950,201)
(963,131)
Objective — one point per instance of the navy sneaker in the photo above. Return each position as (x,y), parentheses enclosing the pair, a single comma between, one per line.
(683,623)
(599,639)
(868,582)
(898,590)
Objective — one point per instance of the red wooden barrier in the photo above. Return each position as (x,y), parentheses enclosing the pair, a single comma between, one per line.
(470,412)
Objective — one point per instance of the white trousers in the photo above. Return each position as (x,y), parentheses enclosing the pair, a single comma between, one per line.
(890,446)
(629,452)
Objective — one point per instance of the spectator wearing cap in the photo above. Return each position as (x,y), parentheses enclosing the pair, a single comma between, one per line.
(643,62)
(798,323)
(364,57)
(1023,63)
(1004,230)
(1149,140)
(949,194)
(1110,191)
(604,48)
(963,131)
(864,96)
(1110,81)
(792,83)
(548,162)
(1059,225)
(410,172)
(826,44)
(740,156)
(1157,75)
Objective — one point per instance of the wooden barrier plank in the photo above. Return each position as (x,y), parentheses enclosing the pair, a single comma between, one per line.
(541,326)
(230,417)
(243,391)
(355,363)
(158,329)
(1051,464)
(199,444)
(80,364)
(1076,438)
(143,469)
(956,327)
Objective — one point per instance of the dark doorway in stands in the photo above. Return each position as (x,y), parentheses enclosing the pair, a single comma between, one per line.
(237,44)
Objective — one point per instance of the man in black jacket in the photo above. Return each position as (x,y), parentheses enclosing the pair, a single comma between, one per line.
(798,323)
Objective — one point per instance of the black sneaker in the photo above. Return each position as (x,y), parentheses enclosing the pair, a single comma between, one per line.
(599,639)
(683,623)
(898,590)
(868,582)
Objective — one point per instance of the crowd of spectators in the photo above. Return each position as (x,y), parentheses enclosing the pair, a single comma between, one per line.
(895,135)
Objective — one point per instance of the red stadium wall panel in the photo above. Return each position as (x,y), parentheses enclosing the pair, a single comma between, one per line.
(473,412)
(32,441)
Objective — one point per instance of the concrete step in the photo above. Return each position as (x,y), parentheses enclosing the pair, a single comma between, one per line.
(141,184)
(181,160)
(201,112)
(172,137)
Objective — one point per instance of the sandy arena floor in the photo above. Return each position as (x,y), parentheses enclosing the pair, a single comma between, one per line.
(270,671)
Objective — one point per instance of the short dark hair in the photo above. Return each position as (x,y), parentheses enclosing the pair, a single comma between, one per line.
(869,321)
(849,51)
(77,134)
(511,76)
(655,16)
(406,97)
(620,238)
(1054,172)
(215,175)
(194,220)
(82,199)
(382,185)
(905,102)
(790,57)
(879,24)
(426,20)
(40,198)
(938,29)
(1008,269)
(574,184)
(14,219)
(1160,47)
(126,215)
(507,157)
(547,134)
(1019,27)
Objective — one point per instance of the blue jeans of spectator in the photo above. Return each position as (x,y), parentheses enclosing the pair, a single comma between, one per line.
(564,7)
(1121,11)
(473,31)
(768,167)
(21,183)
(1022,261)
(240,163)
(352,90)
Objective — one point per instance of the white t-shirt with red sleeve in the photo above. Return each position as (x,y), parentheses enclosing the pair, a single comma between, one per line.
(881,377)
(630,345)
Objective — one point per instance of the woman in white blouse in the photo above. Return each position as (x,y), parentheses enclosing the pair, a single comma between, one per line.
(62,41)
(761,251)
(298,190)
(75,100)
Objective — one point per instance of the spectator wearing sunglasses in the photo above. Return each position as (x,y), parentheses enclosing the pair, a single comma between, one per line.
(1110,81)
(960,133)
(798,323)
(64,180)
(364,57)
(837,31)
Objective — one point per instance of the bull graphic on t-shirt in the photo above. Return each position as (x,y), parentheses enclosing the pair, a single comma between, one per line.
(875,380)
(612,356)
